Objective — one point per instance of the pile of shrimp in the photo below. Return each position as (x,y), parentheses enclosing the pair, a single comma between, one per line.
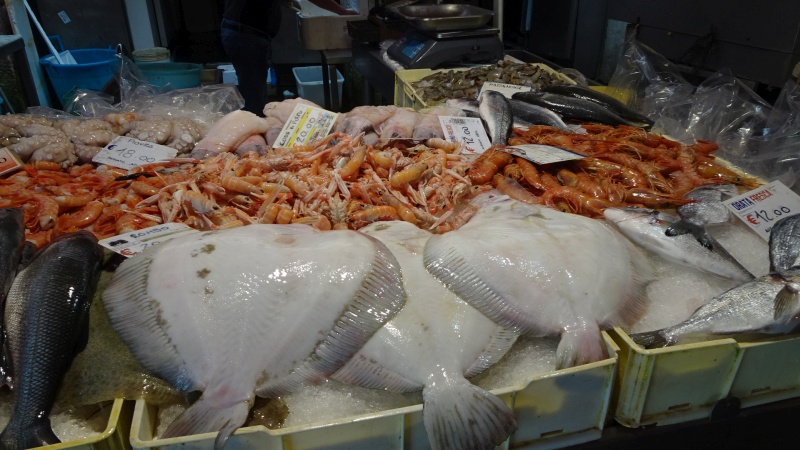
(336,184)
(624,166)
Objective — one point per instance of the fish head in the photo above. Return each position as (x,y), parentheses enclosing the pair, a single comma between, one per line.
(787,302)
(634,216)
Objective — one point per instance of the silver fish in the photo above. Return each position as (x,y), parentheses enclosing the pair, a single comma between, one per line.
(784,244)
(12,239)
(607,101)
(767,305)
(496,113)
(47,315)
(706,210)
(256,310)
(543,272)
(646,227)
(536,115)
(433,344)
(573,108)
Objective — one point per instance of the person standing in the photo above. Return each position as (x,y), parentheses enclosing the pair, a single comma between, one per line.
(247,29)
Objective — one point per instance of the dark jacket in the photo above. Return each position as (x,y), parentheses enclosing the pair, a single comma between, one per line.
(255,16)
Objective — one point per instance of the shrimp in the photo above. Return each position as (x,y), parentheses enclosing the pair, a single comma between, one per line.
(488,164)
(513,189)
(578,202)
(81,218)
(408,175)
(710,169)
(372,214)
(530,174)
(350,170)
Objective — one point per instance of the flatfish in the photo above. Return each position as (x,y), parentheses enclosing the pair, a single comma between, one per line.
(47,316)
(544,273)
(262,309)
(12,239)
(433,344)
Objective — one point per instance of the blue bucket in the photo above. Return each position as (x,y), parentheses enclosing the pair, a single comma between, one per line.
(177,75)
(96,66)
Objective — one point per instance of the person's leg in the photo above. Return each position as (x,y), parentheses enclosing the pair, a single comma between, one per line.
(249,55)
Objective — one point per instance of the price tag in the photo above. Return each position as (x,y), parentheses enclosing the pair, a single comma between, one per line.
(306,124)
(466,130)
(126,153)
(9,161)
(504,88)
(129,244)
(542,154)
(762,207)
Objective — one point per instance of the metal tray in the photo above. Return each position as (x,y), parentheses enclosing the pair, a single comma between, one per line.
(444,17)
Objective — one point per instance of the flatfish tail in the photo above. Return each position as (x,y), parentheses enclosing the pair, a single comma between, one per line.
(203,417)
(379,298)
(460,415)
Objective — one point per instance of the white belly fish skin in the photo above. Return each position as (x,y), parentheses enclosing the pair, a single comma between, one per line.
(545,273)
(432,344)
(262,309)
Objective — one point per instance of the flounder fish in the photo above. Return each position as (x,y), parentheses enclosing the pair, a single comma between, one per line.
(433,344)
(262,309)
(543,272)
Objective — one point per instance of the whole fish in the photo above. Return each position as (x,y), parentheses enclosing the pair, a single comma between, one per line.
(433,344)
(573,108)
(647,228)
(784,244)
(261,309)
(607,101)
(706,209)
(496,113)
(12,240)
(470,109)
(536,115)
(47,316)
(543,272)
(767,305)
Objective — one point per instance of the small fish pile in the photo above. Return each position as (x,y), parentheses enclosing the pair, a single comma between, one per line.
(263,309)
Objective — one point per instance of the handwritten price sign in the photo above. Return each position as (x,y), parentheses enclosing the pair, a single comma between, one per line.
(129,244)
(126,153)
(306,124)
(466,130)
(762,207)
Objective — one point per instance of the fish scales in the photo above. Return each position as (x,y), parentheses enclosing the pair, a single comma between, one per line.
(572,108)
(47,318)
(12,239)
(495,111)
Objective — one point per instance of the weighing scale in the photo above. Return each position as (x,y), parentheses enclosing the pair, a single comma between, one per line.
(419,49)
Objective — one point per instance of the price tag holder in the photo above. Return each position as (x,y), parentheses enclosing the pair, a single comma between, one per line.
(129,244)
(542,154)
(126,153)
(504,88)
(762,207)
(468,131)
(9,161)
(306,124)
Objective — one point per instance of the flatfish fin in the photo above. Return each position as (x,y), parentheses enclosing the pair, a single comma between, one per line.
(635,297)
(499,344)
(204,418)
(460,415)
(381,290)
(365,373)
(132,310)
(580,346)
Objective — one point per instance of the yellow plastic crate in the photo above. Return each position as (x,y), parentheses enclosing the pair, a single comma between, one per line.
(684,382)
(116,436)
(554,410)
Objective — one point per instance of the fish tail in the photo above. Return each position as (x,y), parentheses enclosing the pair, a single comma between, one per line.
(651,339)
(581,346)
(19,437)
(460,415)
(206,417)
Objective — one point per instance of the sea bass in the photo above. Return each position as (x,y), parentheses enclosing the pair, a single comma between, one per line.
(707,209)
(543,272)
(261,309)
(572,108)
(495,111)
(433,344)
(536,115)
(767,305)
(12,240)
(647,228)
(47,316)
(784,244)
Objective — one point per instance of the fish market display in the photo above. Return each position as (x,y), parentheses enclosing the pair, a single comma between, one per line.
(536,115)
(416,351)
(496,114)
(647,228)
(429,125)
(263,309)
(399,125)
(784,244)
(606,101)
(544,273)
(707,209)
(12,239)
(227,133)
(573,108)
(46,317)
(364,119)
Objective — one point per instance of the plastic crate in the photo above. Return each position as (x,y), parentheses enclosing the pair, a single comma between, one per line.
(309,83)
(174,75)
(685,382)
(116,436)
(554,410)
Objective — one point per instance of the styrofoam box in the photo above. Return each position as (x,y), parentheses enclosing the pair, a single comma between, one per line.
(309,83)
(557,409)
(114,437)
(684,382)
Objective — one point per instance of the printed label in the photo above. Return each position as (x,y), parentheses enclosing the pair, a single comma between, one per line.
(129,244)
(126,153)
(306,124)
(466,130)
(542,154)
(9,161)
(64,17)
(762,207)
(504,88)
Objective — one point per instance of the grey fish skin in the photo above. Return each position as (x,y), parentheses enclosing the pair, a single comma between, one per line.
(536,115)
(707,209)
(47,315)
(12,241)
(495,111)
(746,309)
(573,108)
(604,100)
(784,244)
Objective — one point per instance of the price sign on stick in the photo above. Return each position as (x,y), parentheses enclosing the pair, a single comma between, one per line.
(542,154)
(504,88)
(466,130)
(762,207)
(306,124)
(126,153)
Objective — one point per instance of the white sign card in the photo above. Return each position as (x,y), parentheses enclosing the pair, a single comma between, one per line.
(306,124)
(760,208)
(504,88)
(126,153)
(542,154)
(129,244)
(468,131)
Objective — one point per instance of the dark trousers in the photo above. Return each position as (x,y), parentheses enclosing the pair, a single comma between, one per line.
(249,53)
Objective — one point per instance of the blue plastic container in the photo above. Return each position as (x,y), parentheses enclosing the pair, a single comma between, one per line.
(96,66)
(177,74)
